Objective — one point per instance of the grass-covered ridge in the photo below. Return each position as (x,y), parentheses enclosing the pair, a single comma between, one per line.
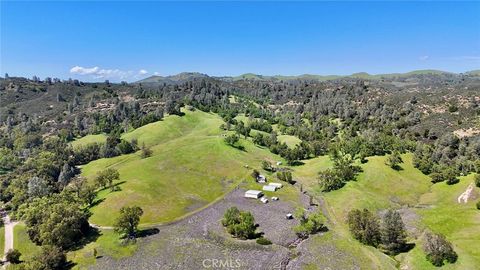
(191,166)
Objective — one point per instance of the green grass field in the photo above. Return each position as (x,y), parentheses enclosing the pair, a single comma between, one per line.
(290,140)
(96,138)
(22,243)
(191,166)
(459,222)
(2,240)
(380,187)
(107,244)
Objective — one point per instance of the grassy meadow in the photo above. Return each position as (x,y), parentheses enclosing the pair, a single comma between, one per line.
(379,187)
(92,138)
(107,244)
(2,239)
(22,242)
(191,166)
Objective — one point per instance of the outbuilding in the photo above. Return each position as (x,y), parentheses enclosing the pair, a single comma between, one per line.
(269,188)
(254,194)
(278,185)
(261,179)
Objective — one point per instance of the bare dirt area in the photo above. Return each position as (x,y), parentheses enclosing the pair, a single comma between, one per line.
(200,241)
(468,194)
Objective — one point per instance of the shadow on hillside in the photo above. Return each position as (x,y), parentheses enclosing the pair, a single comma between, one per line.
(397,168)
(147,232)
(408,247)
(114,187)
(97,202)
(297,163)
(239,147)
(91,236)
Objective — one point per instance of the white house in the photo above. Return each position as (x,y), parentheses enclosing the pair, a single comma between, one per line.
(278,185)
(269,188)
(254,194)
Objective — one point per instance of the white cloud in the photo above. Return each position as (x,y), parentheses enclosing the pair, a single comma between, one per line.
(424,57)
(114,74)
(83,71)
(156,73)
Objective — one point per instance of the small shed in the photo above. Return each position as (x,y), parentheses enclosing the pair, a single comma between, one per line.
(261,178)
(269,188)
(264,200)
(278,185)
(254,194)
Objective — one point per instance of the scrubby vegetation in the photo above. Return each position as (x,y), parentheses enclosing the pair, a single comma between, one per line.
(389,235)
(240,224)
(309,223)
(438,249)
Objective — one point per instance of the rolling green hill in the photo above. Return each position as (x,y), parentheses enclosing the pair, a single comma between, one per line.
(191,166)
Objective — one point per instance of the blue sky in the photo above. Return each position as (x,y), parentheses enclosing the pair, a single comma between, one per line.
(131,40)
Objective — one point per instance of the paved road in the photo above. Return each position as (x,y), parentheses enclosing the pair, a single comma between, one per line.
(8,225)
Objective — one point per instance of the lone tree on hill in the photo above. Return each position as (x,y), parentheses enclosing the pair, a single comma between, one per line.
(127,222)
(394,160)
(393,234)
(232,139)
(106,177)
(438,249)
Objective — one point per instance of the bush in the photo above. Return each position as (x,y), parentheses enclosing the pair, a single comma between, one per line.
(438,249)
(146,152)
(13,256)
(329,180)
(263,241)
(364,226)
(239,224)
(477,180)
(308,224)
(232,139)
(478,205)
(452,181)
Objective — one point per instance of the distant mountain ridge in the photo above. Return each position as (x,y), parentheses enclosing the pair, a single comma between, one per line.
(186,76)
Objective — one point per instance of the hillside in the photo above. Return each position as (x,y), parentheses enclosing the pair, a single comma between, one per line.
(191,166)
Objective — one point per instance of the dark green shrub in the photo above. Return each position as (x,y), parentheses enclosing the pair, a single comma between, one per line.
(263,241)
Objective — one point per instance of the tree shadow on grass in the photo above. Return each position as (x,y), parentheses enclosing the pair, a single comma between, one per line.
(147,232)
(91,236)
(397,168)
(297,163)
(97,202)
(239,147)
